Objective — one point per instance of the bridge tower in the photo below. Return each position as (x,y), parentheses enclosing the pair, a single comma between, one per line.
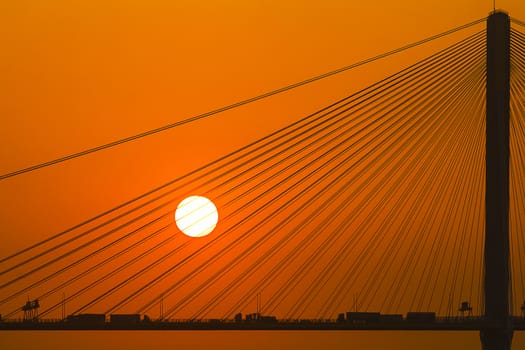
(497,273)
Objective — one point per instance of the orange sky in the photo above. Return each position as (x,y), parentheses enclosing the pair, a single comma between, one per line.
(84,74)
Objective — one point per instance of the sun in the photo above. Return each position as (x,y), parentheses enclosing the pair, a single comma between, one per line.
(196,216)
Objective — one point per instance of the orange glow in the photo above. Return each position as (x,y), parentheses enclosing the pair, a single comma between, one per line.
(79,74)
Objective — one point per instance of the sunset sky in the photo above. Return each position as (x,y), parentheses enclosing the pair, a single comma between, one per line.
(84,74)
(79,74)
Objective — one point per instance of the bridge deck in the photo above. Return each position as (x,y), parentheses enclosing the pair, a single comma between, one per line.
(473,324)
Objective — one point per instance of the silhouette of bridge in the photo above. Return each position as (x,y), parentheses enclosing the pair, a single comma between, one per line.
(398,207)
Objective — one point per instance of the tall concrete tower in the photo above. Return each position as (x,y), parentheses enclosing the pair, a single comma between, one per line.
(497,270)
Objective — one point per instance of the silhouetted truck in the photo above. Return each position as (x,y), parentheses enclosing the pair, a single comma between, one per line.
(268,319)
(252,317)
(88,319)
(363,317)
(391,318)
(421,317)
(124,318)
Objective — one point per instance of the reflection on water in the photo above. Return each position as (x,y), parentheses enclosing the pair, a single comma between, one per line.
(236,340)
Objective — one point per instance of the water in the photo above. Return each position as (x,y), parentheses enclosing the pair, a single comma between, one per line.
(237,340)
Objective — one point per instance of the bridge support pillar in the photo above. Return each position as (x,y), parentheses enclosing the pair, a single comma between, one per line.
(497,273)
(496,339)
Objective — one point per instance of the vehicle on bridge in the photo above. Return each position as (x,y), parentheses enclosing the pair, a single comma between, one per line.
(87,319)
(124,318)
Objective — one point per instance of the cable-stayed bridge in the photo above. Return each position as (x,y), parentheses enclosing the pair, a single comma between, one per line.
(397,207)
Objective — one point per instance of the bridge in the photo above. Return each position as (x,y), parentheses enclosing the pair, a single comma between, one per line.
(398,207)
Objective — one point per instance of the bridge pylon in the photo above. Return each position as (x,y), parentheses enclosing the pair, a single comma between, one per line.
(497,272)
